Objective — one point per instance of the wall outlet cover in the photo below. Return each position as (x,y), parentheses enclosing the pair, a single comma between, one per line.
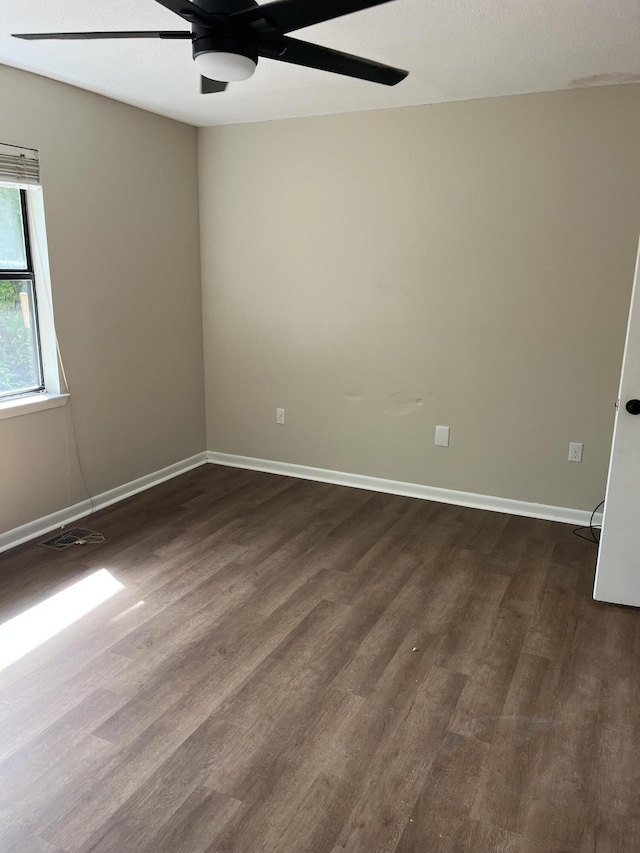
(575,451)
(442,436)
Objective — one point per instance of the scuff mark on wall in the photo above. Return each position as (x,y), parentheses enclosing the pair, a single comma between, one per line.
(399,405)
(604,79)
(354,396)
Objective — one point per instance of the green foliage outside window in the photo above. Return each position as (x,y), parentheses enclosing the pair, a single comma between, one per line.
(17,368)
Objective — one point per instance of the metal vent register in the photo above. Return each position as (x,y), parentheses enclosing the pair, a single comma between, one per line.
(73,536)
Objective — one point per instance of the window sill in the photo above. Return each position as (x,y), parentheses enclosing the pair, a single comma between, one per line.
(32,403)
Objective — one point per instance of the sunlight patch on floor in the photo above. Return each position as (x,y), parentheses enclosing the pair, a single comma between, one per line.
(35,626)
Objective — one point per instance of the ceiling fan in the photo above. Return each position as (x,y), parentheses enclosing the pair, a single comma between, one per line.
(228,37)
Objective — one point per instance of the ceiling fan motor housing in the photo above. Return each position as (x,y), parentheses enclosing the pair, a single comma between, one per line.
(225,44)
(212,53)
(223,39)
(221,46)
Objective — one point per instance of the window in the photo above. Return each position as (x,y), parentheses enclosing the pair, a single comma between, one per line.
(20,352)
(29,377)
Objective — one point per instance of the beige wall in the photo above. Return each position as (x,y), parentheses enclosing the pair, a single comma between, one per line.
(121,202)
(477,257)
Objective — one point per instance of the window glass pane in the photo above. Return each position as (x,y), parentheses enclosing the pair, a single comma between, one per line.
(13,254)
(19,362)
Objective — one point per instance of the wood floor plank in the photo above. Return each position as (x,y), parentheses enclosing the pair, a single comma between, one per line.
(508,784)
(260,825)
(473,836)
(448,791)
(616,834)
(220,591)
(201,817)
(560,810)
(34,806)
(555,613)
(216,665)
(122,777)
(27,721)
(33,844)
(527,578)
(24,766)
(402,760)
(480,708)
(299,666)
(156,802)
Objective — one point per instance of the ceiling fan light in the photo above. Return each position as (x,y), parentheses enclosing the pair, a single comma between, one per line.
(223,66)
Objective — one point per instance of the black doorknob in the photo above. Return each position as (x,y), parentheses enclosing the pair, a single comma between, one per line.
(633,407)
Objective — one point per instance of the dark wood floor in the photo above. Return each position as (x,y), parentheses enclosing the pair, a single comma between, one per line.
(294,666)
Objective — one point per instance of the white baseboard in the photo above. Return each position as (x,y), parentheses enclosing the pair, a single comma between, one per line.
(44,525)
(412,490)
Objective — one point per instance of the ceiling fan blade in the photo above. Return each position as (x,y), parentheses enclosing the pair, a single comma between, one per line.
(210,87)
(187,10)
(289,15)
(139,34)
(325,59)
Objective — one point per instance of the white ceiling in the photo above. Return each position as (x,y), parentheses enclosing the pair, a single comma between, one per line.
(454,50)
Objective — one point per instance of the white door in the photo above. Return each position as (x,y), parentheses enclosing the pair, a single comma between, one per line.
(618,570)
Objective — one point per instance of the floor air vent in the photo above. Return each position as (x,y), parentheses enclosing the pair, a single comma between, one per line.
(72,536)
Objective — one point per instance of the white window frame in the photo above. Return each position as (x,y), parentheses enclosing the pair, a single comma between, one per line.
(54,394)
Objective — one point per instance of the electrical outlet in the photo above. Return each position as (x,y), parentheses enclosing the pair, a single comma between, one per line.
(442,436)
(575,452)
(279,416)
